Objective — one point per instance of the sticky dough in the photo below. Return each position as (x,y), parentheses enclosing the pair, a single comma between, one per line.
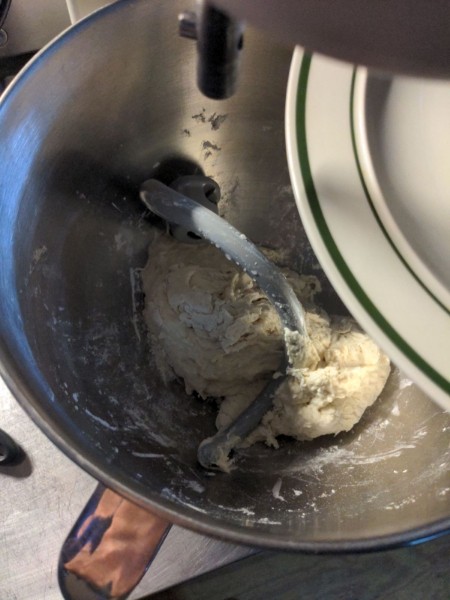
(214,329)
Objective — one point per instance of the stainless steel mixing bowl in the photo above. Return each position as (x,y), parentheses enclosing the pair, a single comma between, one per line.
(107,105)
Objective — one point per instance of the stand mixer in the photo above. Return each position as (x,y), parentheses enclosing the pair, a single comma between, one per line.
(221,39)
(407,37)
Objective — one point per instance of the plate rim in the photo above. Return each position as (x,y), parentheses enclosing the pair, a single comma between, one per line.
(334,264)
(375,196)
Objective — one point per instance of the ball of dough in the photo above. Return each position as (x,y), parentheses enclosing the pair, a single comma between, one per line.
(213,328)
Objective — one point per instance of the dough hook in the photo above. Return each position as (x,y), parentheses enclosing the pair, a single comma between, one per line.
(182,211)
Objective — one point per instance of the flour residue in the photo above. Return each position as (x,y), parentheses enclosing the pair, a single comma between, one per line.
(401,504)
(136,288)
(243,510)
(147,455)
(124,242)
(196,486)
(38,254)
(101,421)
(339,457)
(267,521)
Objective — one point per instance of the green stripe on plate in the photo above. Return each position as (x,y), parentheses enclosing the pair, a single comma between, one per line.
(331,246)
(372,204)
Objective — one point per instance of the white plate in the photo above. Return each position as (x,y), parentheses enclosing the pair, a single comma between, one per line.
(369,160)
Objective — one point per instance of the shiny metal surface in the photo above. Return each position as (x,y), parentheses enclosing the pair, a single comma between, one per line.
(109,105)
